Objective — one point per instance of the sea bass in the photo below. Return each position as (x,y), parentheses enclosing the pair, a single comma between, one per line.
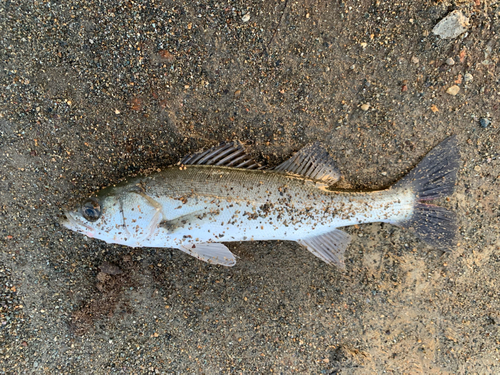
(222,195)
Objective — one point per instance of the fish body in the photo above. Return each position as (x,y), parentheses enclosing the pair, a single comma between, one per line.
(194,207)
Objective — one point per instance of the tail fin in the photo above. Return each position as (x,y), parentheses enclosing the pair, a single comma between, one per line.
(434,177)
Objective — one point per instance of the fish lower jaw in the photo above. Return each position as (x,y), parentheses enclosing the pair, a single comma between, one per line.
(129,242)
(72,223)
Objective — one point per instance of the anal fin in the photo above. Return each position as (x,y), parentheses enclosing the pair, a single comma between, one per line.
(211,252)
(329,247)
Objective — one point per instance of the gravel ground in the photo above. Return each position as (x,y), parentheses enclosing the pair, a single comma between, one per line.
(95,91)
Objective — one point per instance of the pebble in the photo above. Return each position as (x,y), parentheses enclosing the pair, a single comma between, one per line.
(415,60)
(103,277)
(484,122)
(166,55)
(110,268)
(453,90)
(452,25)
(246,17)
(450,61)
(468,77)
(365,107)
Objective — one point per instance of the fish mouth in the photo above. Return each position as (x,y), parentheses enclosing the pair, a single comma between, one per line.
(71,221)
(65,221)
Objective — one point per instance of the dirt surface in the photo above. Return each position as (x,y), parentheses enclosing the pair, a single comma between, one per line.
(95,91)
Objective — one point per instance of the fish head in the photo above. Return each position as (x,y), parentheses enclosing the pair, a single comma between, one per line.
(99,217)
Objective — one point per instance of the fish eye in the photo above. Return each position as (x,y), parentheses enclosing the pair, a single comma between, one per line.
(91,209)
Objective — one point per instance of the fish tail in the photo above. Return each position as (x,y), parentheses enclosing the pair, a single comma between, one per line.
(434,177)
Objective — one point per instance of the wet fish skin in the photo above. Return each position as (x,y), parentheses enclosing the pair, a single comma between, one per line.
(194,207)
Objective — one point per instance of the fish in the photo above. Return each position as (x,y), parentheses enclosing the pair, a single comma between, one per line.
(222,195)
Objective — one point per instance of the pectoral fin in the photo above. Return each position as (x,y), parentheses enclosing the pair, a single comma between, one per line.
(187,220)
(329,247)
(210,252)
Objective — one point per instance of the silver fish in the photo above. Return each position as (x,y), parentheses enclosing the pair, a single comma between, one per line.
(222,195)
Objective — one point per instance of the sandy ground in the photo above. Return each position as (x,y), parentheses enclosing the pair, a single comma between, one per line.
(95,91)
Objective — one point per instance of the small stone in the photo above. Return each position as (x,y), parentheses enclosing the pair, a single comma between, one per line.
(165,55)
(415,60)
(365,107)
(453,90)
(246,17)
(110,268)
(452,25)
(103,277)
(450,61)
(136,104)
(484,122)
(468,77)
(477,168)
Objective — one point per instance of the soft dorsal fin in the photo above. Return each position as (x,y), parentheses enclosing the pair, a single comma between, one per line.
(230,154)
(329,247)
(211,252)
(314,162)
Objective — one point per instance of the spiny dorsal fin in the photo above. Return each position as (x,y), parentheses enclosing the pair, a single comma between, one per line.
(314,162)
(211,252)
(329,247)
(230,154)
